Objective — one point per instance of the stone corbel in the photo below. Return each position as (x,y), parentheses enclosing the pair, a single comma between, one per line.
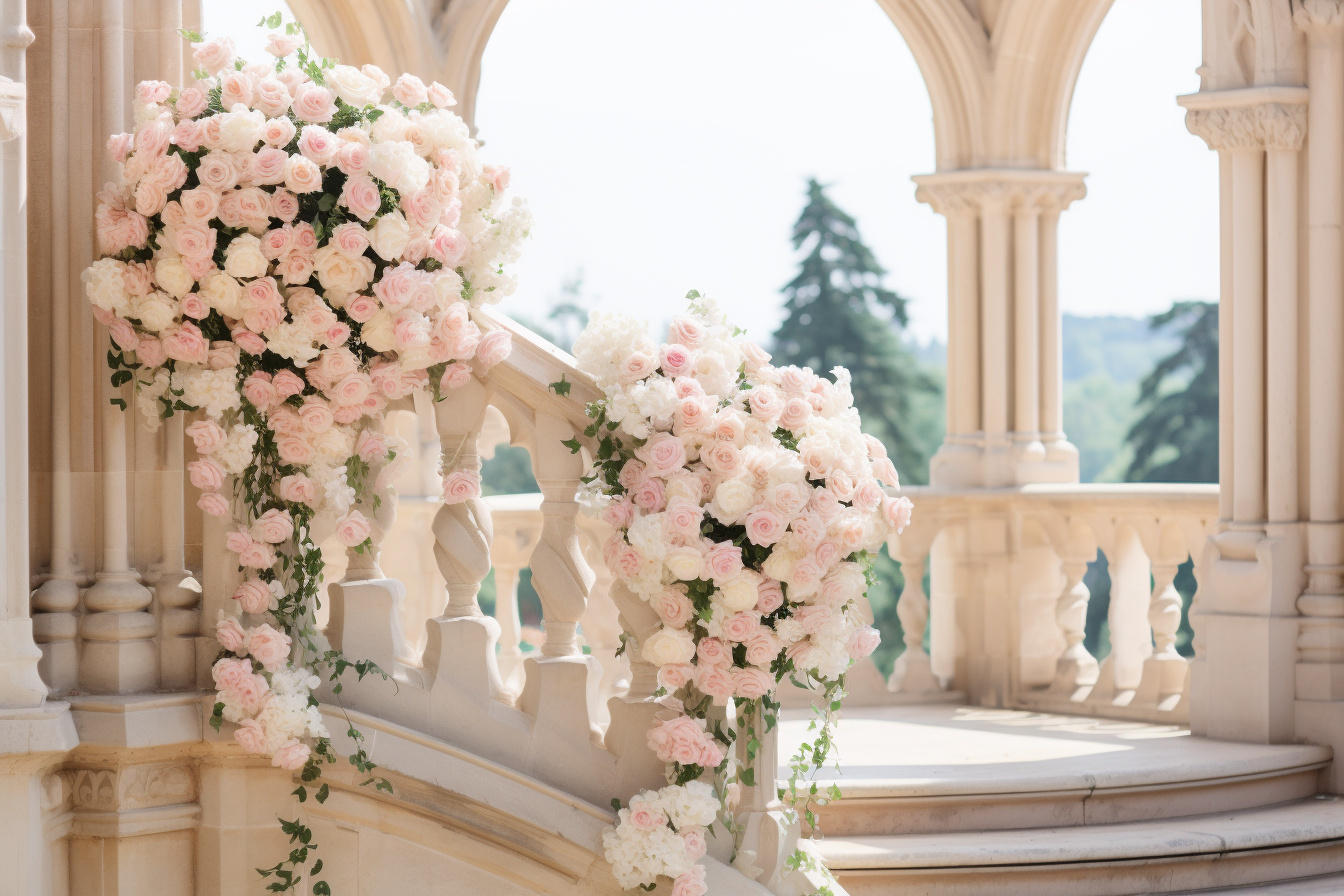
(1310,15)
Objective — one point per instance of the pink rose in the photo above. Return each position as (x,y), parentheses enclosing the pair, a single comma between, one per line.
(663,454)
(318,144)
(295,450)
(287,383)
(191,102)
(410,91)
(723,458)
(278,132)
(756,356)
(268,166)
(694,838)
(251,736)
(814,617)
(207,435)
(460,486)
(764,527)
(867,496)
(259,390)
(302,175)
(716,682)
(253,596)
(645,816)
(885,471)
(257,555)
(795,414)
(361,309)
(291,756)
(495,347)
(686,331)
(268,647)
(123,334)
(766,403)
(273,527)
(693,413)
(713,652)
(674,675)
(440,96)
(187,135)
(314,104)
(740,627)
(454,376)
(691,882)
(685,741)
(675,360)
(230,634)
(353,158)
(649,495)
(315,414)
(235,87)
(119,146)
(862,642)
(353,529)
(673,607)
(762,647)
(360,195)
(769,597)
(350,239)
(636,367)
(724,561)
(684,517)
(213,55)
(448,246)
(897,512)
(248,341)
(281,45)
(207,474)
(213,503)
(352,389)
(298,489)
(752,684)
(497,176)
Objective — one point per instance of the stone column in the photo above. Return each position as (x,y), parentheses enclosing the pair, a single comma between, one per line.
(1004,408)
(20,684)
(1242,688)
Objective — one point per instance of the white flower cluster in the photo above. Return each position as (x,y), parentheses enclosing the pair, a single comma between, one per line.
(662,833)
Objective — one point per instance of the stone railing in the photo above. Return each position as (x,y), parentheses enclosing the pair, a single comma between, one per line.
(1008,605)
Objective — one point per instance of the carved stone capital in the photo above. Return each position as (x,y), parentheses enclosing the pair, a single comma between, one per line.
(11,109)
(972,191)
(132,787)
(1254,118)
(1318,15)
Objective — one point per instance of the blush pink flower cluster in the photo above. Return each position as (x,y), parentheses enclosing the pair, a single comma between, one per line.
(745,501)
(290,246)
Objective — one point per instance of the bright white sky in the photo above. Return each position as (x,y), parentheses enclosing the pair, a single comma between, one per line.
(665,146)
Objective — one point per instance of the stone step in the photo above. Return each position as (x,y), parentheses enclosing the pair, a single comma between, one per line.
(935,769)
(1199,854)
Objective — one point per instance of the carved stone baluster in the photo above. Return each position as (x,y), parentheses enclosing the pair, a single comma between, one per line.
(913,671)
(1076,670)
(562,683)
(510,626)
(601,623)
(460,647)
(633,713)
(1164,672)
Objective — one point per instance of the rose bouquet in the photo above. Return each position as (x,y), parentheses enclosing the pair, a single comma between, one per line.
(745,499)
(287,250)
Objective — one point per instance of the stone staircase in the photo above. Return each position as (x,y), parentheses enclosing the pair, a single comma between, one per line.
(953,801)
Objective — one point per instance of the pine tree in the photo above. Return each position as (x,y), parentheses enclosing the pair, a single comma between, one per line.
(840,314)
(1175,438)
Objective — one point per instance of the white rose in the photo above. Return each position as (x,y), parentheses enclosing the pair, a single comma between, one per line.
(154,311)
(334,445)
(390,235)
(353,87)
(171,274)
(240,128)
(224,294)
(243,257)
(779,565)
(340,274)
(668,646)
(292,340)
(738,593)
(377,332)
(732,499)
(684,563)
(396,164)
(789,631)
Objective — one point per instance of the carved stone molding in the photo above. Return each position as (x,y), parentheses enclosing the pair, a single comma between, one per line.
(134,787)
(1311,15)
(11,109)
(1254,118)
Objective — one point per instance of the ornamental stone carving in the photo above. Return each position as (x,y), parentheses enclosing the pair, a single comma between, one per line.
(1311,14)
(1260,126)
(970,192)
(134,787)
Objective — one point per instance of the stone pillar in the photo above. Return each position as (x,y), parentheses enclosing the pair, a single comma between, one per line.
(85,63)
(1242,687)
(1005,424)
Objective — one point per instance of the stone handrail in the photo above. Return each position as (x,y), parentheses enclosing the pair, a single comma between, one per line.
(1009,604)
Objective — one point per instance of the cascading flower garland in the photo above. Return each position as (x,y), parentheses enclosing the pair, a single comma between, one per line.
(746,500)
(285,252)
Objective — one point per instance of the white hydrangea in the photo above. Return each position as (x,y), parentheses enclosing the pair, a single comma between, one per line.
(213,391)
(236,454)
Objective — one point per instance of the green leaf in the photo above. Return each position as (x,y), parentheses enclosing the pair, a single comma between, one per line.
(616,804)
(562,387)
(301,792)
(322,793)
(119,402)
(275,20)
(573,445)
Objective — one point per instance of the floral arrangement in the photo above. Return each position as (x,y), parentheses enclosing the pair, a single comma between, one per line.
(745,499)
(287,250)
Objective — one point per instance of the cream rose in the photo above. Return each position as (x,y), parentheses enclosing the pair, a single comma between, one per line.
(669,646)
